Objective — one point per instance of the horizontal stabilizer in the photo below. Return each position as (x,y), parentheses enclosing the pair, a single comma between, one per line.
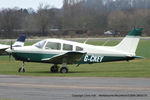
(140,57)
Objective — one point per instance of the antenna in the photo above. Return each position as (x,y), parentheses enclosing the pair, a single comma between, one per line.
(106,42)
(86,40)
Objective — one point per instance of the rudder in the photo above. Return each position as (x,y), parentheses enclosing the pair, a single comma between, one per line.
(130,42)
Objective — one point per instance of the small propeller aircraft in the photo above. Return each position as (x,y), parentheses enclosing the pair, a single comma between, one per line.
(19,43)
(57,51)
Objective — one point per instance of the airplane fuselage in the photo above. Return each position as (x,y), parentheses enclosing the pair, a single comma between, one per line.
(94,54)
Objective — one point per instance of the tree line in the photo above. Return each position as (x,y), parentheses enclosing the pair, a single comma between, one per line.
(77,18)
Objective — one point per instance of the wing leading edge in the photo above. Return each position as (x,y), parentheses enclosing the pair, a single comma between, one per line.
(69,58)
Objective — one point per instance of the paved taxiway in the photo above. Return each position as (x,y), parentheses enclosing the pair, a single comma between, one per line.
(73,88)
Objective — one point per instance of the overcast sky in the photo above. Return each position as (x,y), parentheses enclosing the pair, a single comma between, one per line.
(29,3)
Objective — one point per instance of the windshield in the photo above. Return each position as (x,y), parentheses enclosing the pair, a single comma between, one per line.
(40,44)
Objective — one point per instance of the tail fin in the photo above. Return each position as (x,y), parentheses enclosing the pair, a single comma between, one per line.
(130,42)
(20,41)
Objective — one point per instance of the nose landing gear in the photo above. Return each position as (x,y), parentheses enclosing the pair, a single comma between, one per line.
(21,69)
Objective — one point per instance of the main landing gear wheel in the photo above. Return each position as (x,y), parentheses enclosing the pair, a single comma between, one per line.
(21,69)
(54,69)
(64,70)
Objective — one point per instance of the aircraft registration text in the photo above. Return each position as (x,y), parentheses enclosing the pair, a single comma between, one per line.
(93,58)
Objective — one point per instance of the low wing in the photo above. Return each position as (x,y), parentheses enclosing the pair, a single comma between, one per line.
(69,58)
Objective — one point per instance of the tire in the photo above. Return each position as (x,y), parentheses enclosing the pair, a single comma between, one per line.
(64,70)
(54,69)
(19,70)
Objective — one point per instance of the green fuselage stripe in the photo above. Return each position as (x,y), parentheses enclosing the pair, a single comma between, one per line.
(31,57)
(37,57)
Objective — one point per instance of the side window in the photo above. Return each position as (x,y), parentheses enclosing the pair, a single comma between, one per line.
(79,48)
(67,47)
(53,46)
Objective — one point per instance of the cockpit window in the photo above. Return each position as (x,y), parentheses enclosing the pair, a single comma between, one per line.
(40,44)
(79,48)
(67,47)
(53,46)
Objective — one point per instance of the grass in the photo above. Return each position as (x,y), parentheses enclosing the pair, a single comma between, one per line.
(135,68)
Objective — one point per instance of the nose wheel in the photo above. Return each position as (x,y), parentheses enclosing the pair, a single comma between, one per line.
(21,69)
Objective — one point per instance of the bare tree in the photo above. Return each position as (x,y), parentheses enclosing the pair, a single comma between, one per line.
(42,19)
(117,20)
(10,21)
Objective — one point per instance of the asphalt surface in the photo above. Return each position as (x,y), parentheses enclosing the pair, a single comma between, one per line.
(73,88)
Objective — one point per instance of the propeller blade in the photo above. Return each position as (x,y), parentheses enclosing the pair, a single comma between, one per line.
(9,56)
(11,45)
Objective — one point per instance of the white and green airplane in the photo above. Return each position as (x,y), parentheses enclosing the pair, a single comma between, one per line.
(57,51)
